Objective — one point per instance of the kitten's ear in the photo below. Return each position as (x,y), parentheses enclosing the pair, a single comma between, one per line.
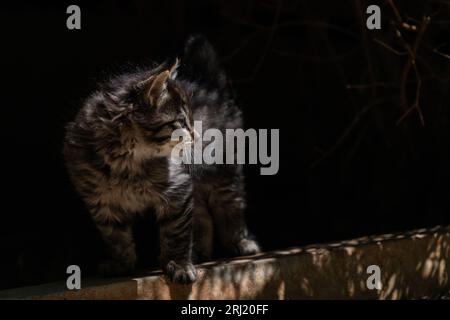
(155,86)
(173,69)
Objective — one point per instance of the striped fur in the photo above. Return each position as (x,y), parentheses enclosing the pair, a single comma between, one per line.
(118,156)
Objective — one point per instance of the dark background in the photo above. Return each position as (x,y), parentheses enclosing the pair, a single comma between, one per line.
(308,68)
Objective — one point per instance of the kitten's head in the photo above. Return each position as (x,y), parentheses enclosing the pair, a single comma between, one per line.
(162,107)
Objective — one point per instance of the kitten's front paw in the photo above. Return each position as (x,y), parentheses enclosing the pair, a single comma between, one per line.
(109,268)
(181,273)
(248,247)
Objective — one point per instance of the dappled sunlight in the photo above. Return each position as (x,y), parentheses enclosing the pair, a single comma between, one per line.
(336,270)
(412,265)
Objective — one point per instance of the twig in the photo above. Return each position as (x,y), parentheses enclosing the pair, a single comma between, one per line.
(361,113)
(411,63)
(384,44)
(396,12)
(445,55)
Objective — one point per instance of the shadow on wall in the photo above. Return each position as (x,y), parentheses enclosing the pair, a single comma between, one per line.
(413,265)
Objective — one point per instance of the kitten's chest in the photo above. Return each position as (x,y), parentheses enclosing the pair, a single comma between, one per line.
(131,195)
(137,181)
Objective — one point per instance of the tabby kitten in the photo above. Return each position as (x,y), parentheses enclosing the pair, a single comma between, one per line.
(118,149)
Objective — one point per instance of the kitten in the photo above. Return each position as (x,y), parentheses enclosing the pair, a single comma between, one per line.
(118,154)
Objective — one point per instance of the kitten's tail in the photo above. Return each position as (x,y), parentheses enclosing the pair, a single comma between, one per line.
(200,63)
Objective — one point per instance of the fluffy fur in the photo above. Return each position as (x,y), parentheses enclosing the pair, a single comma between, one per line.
(117,152)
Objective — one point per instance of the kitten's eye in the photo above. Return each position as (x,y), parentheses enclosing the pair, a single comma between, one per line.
(163,126)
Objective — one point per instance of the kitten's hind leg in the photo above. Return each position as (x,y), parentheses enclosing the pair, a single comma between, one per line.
(227,203)
(121,255)
(203,233)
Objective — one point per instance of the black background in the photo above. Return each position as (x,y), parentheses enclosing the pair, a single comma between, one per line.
(346,168)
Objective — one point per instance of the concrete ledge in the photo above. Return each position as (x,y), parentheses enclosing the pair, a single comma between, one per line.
(414,265)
